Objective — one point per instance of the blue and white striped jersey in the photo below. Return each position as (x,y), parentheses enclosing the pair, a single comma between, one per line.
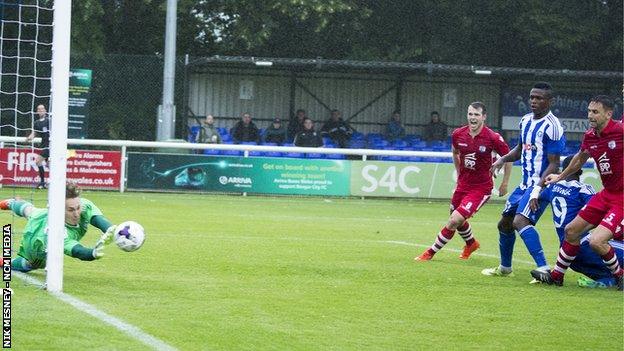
(539,138)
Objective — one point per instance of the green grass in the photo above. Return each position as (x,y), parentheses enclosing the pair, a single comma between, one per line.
(262,273)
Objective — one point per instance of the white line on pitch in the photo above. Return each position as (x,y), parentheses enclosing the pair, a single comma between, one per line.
(132,331)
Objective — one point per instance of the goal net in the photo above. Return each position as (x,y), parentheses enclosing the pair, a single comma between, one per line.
(34,78)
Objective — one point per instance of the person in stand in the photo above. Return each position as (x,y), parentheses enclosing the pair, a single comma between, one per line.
(208,134)
(337,129)
(436,130)
(245,130)
(395,129)
(276,133)
(308,137)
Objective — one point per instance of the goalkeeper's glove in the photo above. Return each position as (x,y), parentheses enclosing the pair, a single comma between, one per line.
(98,250)
(105,239)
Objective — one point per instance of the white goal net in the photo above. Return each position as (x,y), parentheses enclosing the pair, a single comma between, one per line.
(34,79)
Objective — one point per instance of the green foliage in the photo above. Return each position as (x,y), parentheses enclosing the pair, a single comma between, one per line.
(232,273)
(541,34)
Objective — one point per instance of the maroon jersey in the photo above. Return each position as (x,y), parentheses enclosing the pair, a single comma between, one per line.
(607,150)
(475,157)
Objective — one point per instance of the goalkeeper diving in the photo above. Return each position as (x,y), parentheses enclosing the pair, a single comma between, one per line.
(79,213)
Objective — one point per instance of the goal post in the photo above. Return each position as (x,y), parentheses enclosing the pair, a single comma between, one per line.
(58,143)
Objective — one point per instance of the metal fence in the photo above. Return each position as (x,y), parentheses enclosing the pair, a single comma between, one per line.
(124,96)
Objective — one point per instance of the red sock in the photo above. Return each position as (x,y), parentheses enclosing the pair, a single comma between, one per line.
(567,254)
(465,230)
(610,260)
(443,238)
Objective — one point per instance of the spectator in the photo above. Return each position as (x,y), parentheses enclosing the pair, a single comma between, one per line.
(395,129)
(276,133)
(245,130)
(436,129)
(337,129)
(296,125)
(208,134)
(308,137)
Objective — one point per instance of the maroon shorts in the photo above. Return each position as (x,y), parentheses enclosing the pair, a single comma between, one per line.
(467,203)
(605,209)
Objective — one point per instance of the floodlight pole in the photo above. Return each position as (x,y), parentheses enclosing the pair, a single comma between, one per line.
(165,126)
(58,144)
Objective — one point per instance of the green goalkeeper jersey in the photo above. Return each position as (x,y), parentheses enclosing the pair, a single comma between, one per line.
(34,242)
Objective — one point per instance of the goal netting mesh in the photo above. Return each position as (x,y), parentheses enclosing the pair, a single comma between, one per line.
(25,78)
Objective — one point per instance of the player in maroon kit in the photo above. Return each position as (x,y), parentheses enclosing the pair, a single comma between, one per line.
(472,155)
(604,143)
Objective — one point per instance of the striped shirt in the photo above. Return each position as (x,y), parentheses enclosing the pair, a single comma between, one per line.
(539,138)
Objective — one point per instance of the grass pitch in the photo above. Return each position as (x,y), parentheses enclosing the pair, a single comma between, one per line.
(263,273)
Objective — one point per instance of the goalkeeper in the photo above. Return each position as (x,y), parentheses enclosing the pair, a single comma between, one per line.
(79,213)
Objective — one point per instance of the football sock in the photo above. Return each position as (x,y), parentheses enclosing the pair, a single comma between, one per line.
(465,231)
(18,206)
(610,260)
(443,238)
(20,264)
(531,239)
(567,254)
(506,243)
(41,175)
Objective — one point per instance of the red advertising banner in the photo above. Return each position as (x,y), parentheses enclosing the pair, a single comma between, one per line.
(92,169)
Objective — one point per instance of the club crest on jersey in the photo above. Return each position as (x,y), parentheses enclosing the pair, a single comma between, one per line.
(481,148)
(611,144)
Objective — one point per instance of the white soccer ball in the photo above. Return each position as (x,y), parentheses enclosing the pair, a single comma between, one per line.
(129,236)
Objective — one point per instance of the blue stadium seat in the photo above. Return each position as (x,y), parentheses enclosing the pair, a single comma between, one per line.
(419,145)
(335,156)
(399,144)
(231,153)
(211,152)
(380,144)
(314,155)
(357,136)
(394,158)
(193,133)
(293,154)
(357,144)
(273,154)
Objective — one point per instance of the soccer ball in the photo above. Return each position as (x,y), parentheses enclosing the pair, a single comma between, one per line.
(129,236)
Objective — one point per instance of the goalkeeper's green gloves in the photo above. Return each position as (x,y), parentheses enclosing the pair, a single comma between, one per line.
(105,239)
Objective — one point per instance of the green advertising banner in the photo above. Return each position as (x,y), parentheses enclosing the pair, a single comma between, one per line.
(79,92)
(425,180)
(238,174)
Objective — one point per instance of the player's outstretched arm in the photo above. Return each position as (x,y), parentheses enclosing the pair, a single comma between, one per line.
(87,253)
(511,156)
(502,189)
(576,163)
(553,168)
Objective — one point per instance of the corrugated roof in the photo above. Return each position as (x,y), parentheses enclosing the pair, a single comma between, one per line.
(320,64)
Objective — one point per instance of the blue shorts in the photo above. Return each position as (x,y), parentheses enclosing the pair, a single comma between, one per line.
(518,203)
